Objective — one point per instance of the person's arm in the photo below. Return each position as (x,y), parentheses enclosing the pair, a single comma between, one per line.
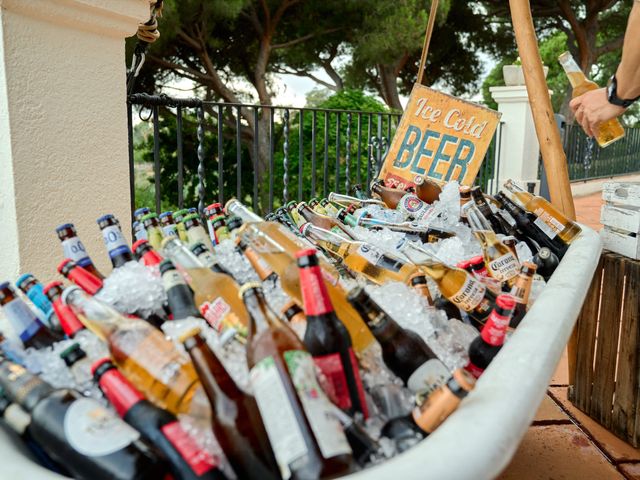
(593,108)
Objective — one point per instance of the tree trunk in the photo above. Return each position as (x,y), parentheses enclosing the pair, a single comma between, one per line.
(389,86)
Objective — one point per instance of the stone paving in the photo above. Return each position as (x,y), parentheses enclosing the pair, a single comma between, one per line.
(564,443)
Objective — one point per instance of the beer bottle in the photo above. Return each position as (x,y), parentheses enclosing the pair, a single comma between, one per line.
(195,231)
(73,248)
(478,267)
(77,432)
(169,228)
(327,339)
(609,131)
(487,345)
(140,212)
(307,440)
(81,277)
(208,258)
(427,190)
(153,229)
(142,352)
(159,427)
(404,352)
(500,261)
(314,204)
(390,196)
(294,215)
(139,232)
(407,203)
(359,192)
(68,321)
(24,321)
(178,216)
(146,254)
(284,218)
(294,314)
(347,218)
(361,257)
(220,229)
(119,251)
(458,286)
(529,229)
(418,281)
(322,221)
(179,295)
(549,219)
(33,289)
(330,208)
(443,402)
(347,201)
(546,261)
(520,292)
(218,289)
(237,424)
(75,358)
(483,206)
(211,211)
(260,265)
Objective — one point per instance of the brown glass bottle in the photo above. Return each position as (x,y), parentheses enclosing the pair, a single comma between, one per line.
(427,190)
(24,321)
(307,440)
(323,221)
(390,196)
(262,268)
(328,340)
(520,292)
(237,424)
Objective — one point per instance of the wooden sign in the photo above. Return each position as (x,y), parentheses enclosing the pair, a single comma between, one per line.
(441,137)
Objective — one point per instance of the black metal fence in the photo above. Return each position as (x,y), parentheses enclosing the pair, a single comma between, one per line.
(586,160)
(202,151)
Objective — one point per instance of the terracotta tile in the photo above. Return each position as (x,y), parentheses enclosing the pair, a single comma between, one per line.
(630,470)
(588,210)
(616,448)
(561,375)
(556,452)
(548,411)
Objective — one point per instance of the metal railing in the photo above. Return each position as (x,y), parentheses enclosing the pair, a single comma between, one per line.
(263,155)
(586,160)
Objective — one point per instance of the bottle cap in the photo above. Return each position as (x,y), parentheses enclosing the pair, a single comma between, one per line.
(307,252)
(249,286)
(165,265)
(23,279)
(307,257)
(198,248)
(105,218)
(138,243)
(165,214)
(189,333)
(5,286)
(50,285)
(291,309)
(141,211)
(544,253)
(72,354)
(418,279)
(148,216)
(101,366)
(63,227)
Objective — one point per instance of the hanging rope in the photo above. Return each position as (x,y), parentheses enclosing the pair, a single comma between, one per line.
(147,34)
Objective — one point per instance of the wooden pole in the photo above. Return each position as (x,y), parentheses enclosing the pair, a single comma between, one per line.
(427,40)
(555,161)
(553,156)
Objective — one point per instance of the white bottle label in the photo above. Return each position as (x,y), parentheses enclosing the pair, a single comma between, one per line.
(170,231)
(547,223)
(17,418)
(379,258)
(277,414)
(470,295)
(114,240)
(428,377)
(326,427)
(505,267)
(73,248)
(94,431)
(413,207)
(22,319)
(171,278)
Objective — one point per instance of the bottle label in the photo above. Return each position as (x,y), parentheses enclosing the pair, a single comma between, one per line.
(428,377)
(379,258)
(212,233)
(546,222)
(326,427)
(283,430)
(73,248)
(504,267)
(171,278)
(22,319)
(115,241)
(94,431)
(170,231)
(338,389)
(198,459)
(473,370)
(216,312)
(412,206)
(314,291)
(495,329)
(16,418)
(470,295)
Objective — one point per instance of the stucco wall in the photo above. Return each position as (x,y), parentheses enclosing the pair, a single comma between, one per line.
(63,129)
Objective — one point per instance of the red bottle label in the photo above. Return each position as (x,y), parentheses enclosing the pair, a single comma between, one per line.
(120,392)
(495,329)
(198,459)
(314,291)
(473,370)
(336,380)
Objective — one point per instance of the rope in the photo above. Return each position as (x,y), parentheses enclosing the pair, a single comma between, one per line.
(147,34)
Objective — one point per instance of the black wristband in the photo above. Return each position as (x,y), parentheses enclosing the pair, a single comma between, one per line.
(612,95)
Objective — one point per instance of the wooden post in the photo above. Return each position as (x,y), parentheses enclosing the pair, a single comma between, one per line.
(427,40)
(555,161)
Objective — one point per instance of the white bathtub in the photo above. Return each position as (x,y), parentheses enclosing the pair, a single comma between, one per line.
(480,438)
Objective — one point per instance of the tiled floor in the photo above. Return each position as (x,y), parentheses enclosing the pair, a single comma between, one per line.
(564,443)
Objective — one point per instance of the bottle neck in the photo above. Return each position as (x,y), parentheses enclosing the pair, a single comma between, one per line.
(572,69)
(119,391)
(262,268)
(68,320)
(323,236)
(314,292)
(522,288)
(100,318)
(495,329)
(179,295)
(85,280)
(238,209)
(262,318)
(179,254)
(21,386)
(151,258)
(119,251)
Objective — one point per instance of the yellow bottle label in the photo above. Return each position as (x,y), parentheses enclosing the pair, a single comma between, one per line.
(470,294)
(504,267)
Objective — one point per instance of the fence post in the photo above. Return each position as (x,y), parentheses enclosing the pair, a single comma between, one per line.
(63,128)
(519,148)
